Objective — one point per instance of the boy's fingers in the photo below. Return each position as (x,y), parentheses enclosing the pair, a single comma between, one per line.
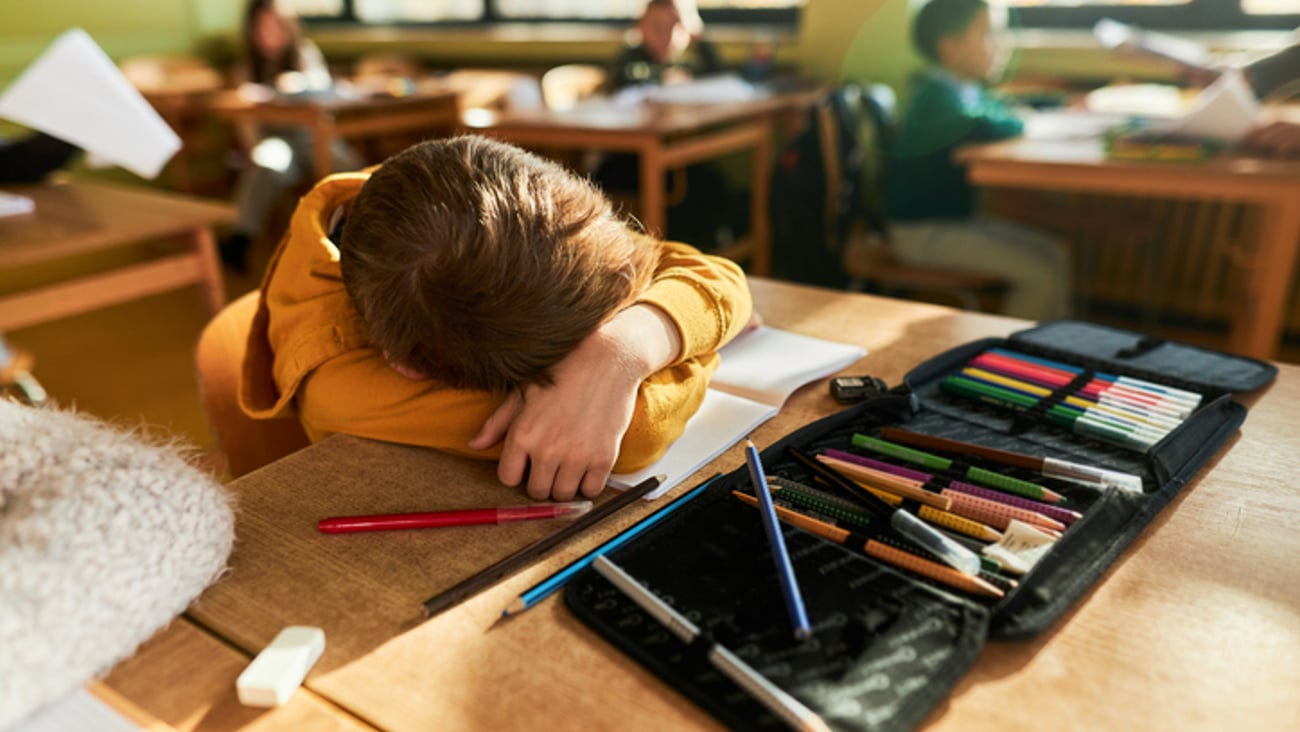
(495,427)
(568,480)
(593,483)
(542,483)
(512,466)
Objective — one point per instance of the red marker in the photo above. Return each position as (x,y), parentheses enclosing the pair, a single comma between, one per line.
(468,517)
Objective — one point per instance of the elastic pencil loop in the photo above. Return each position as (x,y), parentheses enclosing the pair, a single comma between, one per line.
(1147,344)
(1039,411)
(699,646)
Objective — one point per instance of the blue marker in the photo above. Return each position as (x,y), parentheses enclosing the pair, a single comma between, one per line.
(784,569)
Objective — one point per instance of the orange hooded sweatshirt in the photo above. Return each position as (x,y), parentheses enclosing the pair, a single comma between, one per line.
(308,354)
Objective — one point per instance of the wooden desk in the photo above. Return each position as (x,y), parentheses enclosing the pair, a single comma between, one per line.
(664,137)
(1273,185)
(1177,636)
(428,110)
(77,218)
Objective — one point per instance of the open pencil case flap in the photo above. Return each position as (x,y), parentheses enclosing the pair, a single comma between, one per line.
(886,648)
(1112,518)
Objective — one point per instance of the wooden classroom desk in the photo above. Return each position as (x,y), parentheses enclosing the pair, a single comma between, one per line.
(664,137)
(79,218)
(1196,627)
(1272,185)
(428,110)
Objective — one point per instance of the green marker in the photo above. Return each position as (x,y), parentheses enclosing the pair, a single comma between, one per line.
(978,475)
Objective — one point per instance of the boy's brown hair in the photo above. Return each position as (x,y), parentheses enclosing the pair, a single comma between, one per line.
(474,262)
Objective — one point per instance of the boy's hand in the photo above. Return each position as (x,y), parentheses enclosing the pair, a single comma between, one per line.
(565,437)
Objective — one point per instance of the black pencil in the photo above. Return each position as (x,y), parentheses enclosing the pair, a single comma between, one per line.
(497,571)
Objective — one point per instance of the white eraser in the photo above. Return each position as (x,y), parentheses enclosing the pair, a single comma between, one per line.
(280,667)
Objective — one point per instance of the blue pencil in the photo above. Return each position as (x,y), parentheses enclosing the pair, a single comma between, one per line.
(784,569)
(548,586)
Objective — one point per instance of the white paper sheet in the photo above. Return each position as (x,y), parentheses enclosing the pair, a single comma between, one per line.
(73,91)
(1055,126)
(1226,110)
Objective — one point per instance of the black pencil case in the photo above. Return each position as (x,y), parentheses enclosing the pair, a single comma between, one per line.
(887,645)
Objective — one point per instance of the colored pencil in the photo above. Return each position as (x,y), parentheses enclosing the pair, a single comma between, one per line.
(1049,467)
(925,536)
(548,586)
(776,540)
(439,519)
(891,555)
(1051,510)
(898,485)
(975,474)
(498,570)
(776,700)
(836,508)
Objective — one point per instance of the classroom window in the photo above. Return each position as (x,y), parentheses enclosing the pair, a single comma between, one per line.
(1172,15)
(622,12)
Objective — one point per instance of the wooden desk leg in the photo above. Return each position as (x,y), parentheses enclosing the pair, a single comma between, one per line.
(654,212)
(1257,326)
(205,248)
(759,231)
(322,140)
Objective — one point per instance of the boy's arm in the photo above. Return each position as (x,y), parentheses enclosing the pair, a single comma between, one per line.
(706,297)
(568,435)
(565,437)
(941,118)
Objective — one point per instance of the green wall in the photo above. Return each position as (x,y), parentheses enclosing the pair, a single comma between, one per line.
(860,38)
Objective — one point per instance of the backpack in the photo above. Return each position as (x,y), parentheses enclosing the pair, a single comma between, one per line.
(825,183)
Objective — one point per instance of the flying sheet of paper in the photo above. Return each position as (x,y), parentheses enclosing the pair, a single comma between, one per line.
(1226,110)
(1114,35)
(74,92)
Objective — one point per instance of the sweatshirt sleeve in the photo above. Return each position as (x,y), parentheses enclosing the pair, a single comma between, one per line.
(706,297)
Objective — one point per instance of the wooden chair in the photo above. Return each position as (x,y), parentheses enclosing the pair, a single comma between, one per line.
(868,257)
(246,444)
(563,86)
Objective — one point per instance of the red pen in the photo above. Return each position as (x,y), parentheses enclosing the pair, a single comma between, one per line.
(468,517)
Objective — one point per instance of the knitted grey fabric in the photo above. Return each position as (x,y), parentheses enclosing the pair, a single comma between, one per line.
(104,539)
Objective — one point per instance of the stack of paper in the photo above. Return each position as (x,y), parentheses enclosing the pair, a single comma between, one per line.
(75,93)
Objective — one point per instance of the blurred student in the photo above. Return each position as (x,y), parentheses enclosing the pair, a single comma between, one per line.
(930,203)
(672,48)
(278,60)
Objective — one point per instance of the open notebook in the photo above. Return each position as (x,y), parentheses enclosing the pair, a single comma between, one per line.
(759,371)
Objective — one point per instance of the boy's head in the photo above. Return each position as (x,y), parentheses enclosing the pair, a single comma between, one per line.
(663,34)
(482,265)
(957,35)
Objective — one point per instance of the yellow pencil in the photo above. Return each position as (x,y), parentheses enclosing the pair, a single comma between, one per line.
(899,486)
(940,573)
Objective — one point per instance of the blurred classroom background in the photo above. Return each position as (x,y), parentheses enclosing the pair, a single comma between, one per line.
(134,361)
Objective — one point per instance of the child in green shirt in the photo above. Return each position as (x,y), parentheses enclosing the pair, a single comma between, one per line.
(930,203)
